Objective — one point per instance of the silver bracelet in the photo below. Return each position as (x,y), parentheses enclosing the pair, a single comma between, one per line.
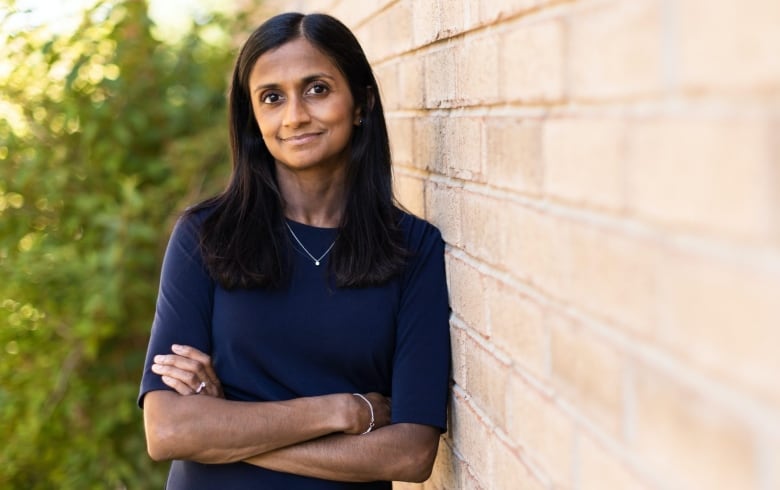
(371,408)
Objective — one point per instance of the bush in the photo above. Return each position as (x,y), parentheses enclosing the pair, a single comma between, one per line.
(109,133)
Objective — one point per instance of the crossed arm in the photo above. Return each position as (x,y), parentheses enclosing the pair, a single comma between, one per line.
(312,436)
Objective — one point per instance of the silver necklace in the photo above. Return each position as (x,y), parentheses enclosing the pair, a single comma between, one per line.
(312,257)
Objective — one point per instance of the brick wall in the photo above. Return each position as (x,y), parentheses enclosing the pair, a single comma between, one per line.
(606,175)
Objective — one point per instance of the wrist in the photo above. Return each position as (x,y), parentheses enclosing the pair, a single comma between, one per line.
(371,421)
(346,412)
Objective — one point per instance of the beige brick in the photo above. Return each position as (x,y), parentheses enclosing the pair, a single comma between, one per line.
(599,470)
(351,13)
(388,33)
(614,49)
(426,21)
(702,174)
(469,431)
(544,433)
(442,208)
(411,79)
(448,470)
(472,14)
(774,164)
(724,318)
(486,381)
(583,161)
(508,471)
(517,328)
(771,461)
(614,277)
(437,19)
(410,192)
(513,159)
(532,65)
(480,226)
(463,147)
(466,294)
(479,82)
(452,15)
(471,481)
(441,72)
(401,132)
(491,11)
(387,78)
(730,43)
(688,438)
(458,342)
(521,231)
(429,150)
(450,146)
(537,249)
(408,486)
(588,372)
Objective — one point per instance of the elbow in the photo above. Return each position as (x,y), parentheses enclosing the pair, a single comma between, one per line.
(419,465)
(159,442)
(163,427)
(420,472)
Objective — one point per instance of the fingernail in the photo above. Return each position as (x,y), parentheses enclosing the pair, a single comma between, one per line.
(156,368)
(158,359)
(176,348)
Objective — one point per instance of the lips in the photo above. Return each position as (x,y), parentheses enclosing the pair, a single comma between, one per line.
(300,138)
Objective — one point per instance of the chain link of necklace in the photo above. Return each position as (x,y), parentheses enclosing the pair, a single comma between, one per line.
(312,257)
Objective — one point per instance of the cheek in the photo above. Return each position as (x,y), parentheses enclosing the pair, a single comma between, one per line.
(263,127)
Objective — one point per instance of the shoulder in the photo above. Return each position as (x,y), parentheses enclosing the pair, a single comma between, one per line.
(186,232)
(418,233)
(191,219)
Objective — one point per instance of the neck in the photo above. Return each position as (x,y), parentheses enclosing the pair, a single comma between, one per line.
(313,197)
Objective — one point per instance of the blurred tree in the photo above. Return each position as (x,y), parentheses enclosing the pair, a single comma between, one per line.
(107,134)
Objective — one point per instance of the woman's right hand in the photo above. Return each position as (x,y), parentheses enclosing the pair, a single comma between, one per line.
(188,371)
(362,414)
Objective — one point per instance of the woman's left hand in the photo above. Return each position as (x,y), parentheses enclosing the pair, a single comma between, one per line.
(188,371)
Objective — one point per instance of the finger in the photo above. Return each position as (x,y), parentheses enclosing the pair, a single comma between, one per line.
(200,371)
(185,364)
(202,358)
(181,388)
(192,353)
(181,362)
(189,378)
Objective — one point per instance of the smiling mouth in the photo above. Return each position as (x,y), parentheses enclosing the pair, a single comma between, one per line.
(301,138)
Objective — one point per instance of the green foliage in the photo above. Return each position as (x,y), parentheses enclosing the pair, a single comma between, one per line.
(106,135)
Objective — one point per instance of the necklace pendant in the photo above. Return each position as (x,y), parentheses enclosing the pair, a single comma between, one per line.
(317,263)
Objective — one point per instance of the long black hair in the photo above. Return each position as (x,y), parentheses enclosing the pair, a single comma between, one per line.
(244,241)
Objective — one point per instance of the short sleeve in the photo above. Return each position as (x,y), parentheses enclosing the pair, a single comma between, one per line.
(184,301)
(421,364)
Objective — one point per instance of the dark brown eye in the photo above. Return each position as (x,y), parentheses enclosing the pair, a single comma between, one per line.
(318,89)
(270,98)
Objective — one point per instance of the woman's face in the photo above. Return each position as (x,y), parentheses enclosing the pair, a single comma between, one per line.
(303,106)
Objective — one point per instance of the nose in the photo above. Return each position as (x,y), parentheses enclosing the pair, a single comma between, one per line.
(296,113)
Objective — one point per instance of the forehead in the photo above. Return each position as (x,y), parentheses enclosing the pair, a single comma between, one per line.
(292,61)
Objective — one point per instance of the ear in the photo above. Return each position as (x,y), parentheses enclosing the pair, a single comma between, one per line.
(370,100)
(357,118)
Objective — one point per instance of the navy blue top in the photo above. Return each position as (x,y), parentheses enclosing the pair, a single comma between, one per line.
(307,339)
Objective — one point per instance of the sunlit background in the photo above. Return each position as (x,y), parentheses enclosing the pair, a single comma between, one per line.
(112,122)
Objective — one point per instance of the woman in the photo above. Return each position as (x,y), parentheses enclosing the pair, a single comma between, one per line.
(301,335)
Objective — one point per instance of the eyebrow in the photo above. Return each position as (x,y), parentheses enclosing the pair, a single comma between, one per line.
(305,80)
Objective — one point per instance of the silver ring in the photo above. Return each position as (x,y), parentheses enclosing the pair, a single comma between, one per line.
(200,387)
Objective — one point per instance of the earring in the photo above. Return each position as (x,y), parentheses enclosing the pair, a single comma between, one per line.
(360,122)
